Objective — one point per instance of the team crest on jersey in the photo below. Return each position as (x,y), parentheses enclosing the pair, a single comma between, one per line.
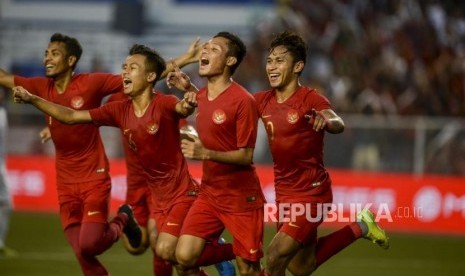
(152,128)
(292,116)
(218,116)
(77,102)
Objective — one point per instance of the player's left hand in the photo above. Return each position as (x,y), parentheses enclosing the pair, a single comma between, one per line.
(318,120)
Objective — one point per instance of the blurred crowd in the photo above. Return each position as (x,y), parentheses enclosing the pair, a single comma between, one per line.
(403,57)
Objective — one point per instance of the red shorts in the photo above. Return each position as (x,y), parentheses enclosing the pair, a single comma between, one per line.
(84,202)
(303,227)
(207,222)
(171,220)
(141,202)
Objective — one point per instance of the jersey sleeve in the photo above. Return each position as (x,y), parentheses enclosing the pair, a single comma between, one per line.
(107,83)
(35,85)
(108,114)
(247,123)
(317,101)
(168,102)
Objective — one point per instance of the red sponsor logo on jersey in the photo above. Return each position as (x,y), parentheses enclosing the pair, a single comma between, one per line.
(77,102)
(218,116)
(152,128)
(292,116)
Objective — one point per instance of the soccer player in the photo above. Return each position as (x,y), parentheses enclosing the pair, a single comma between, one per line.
(230,194)
(296,118)
(6,204)
(83,181)
(150,123)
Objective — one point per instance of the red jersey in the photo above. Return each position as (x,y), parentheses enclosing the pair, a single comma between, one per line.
(80,156)
(155,140)
(228,123)
(296,148)
(134,176)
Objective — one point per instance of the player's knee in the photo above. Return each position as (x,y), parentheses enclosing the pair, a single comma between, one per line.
(185,257)
(165,250)
(248,268)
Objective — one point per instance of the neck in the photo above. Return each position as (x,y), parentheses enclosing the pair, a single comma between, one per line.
(62,81)
(285,92)
(218,85)
(141,102)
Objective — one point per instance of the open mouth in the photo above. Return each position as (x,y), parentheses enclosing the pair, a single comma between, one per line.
(127,82)
(204,61)
(273,77)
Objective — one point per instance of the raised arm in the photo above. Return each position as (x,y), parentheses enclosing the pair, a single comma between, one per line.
(6,79)
(59,112)
(180,80)
(190,56)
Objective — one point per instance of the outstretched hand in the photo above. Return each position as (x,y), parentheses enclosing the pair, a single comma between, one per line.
(21,95)
(318,120)
(178,78)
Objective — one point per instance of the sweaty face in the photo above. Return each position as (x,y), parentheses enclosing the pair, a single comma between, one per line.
(280,67)
(213,57)
(134,75)
(55,60)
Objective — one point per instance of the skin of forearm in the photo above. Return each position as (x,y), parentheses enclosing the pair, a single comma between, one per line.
(61,113)
(238,157)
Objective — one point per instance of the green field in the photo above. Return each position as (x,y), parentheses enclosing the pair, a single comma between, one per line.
(44,252)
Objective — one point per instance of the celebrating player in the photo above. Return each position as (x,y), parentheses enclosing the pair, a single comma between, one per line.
(296,118)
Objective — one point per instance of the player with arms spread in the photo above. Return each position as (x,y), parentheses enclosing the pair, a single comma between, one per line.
(83,181)
(150,124)
(296,118)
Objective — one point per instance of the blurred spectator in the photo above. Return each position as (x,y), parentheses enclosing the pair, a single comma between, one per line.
(375,57)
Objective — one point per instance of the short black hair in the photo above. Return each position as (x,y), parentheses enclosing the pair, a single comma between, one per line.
(236,48)
(293,43)
(153,61)
(72,45)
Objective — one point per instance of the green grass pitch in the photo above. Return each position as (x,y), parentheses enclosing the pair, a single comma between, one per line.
(43,251)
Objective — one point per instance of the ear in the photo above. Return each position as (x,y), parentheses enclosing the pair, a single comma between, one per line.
(151,76)
(231,61)
(298,67)
(72,61)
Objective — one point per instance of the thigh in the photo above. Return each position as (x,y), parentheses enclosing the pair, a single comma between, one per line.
(139,199)
(247,231)
(203,221)
(172,220)
(96,198)
(304,218)
(71,205)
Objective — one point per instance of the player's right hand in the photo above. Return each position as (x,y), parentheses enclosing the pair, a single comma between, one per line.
(178,78)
